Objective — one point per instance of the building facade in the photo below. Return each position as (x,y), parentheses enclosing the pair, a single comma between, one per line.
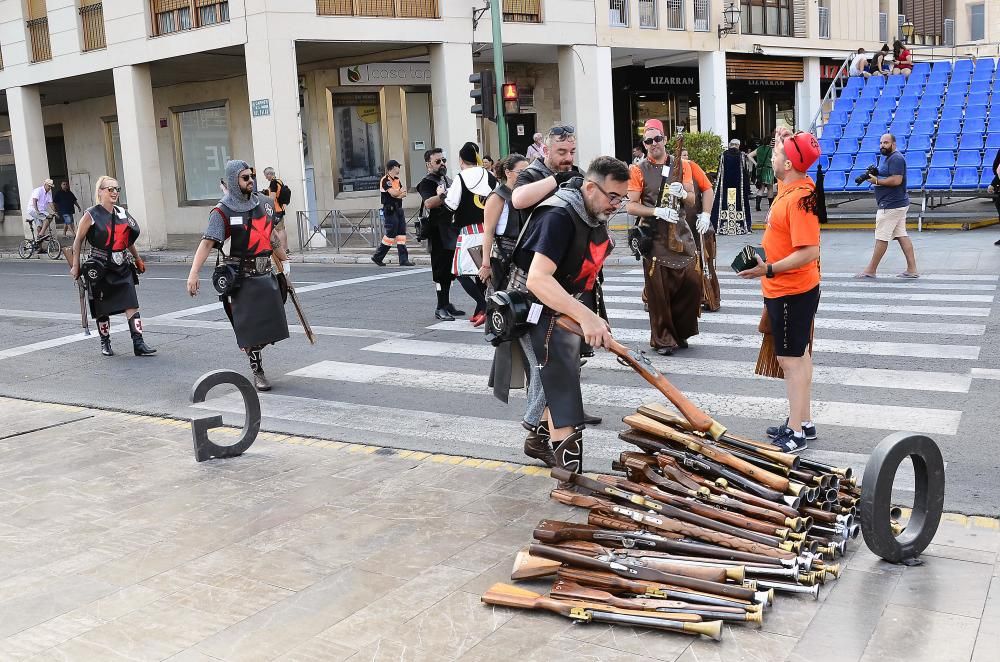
(160,93)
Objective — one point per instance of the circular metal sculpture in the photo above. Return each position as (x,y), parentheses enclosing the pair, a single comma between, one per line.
(876,497)
(204,448)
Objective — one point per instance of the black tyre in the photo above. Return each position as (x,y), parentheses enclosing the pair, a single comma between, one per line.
(876,496)
(53,249)
(26,249)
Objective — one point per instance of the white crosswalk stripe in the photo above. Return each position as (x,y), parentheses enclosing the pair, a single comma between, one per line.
(986,278)
(827,294)
(855,284)
(826,306)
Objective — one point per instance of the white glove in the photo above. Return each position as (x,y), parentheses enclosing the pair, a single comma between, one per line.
(286,267)
(704,223)
(677,190)
(667,214)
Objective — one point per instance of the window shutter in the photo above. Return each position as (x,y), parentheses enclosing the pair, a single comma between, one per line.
(800,19)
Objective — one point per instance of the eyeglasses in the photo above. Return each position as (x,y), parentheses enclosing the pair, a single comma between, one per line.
(654,139)
(564,132)
(246,178)
(613,198)
(113,189)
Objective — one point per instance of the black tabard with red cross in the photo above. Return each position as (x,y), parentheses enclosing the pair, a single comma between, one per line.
(250,232)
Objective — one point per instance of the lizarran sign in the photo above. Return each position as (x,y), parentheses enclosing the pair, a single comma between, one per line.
(387,73)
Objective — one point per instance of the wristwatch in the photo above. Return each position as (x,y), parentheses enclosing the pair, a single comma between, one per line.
(770,270)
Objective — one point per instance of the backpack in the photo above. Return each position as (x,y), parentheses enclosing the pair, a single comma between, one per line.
(284,194)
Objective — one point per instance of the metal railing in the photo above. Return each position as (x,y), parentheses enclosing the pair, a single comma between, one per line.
(836,86)
(675,14)
(38,33)
(618,13)
(171,16)
(337,229)
(647,13)
(92,22)
(522,11)
(702,15)
(385,8)
(824,22)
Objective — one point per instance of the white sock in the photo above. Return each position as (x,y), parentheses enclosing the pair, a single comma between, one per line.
(799,434)
(807,424)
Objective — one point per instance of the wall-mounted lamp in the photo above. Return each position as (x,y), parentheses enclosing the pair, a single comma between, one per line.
(907,29)
(730,20)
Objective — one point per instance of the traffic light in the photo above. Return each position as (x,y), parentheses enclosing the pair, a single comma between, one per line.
(485,96)
(511,101)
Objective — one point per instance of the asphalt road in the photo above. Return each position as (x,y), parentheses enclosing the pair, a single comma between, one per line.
(891,355)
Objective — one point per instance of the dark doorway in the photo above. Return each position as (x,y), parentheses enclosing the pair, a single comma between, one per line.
(520,129)
(55,150)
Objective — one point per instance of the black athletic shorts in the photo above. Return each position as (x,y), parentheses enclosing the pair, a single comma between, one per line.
(792,320)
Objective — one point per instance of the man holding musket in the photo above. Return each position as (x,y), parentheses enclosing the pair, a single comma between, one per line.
(252,296)
(562,251)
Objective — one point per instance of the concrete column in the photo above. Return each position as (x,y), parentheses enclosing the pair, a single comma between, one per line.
(140,156)
(807,94)
(27,132)
(585,99)
(713,104)
(454,123)
(273,81)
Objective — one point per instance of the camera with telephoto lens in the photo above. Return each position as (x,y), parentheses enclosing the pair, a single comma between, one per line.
(869,171)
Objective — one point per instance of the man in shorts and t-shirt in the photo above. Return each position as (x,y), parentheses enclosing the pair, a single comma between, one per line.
(893,202)
(790,282)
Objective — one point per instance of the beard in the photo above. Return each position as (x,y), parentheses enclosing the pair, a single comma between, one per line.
(885,151)
(442,171)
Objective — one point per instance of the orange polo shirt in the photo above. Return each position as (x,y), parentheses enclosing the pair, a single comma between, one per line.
(789,227)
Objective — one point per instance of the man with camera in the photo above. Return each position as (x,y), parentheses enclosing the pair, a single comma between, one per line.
(889,180)
(563,248)
(436,228)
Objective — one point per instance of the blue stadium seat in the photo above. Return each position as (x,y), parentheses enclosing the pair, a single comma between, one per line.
(986,178)
(975,111)
(938,179)
(922,128)
(827,145)
(966,178)
(979,99)
(886,102)
(949,126)
(920,69)
(847,146)
(842,161)
(963,65)
(969,157)
(914,90)
(934,89)
(914,179)
(866,103)
(962,78)
(942,66)
(994,125)
(900,128)
(845,104)
(854,82)
(975,125)
(901,142)
(985,65)
(907,104)
(833,131)
(920,143)
(917,159)
(871,92)
(971,141)
(954,101)
(870,144)
(854,130)
(895,80)
(992,141)
(951,114)
(946,141)
(834,180)
(860,115)
(944,158)
(882,115)
(823,161)
(854,174)
(837,117)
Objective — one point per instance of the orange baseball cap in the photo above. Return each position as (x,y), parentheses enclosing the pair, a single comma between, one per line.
(653,124)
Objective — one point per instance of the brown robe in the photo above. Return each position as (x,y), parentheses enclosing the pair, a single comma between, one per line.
(673,283)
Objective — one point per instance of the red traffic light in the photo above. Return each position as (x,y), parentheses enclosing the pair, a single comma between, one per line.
(509,91)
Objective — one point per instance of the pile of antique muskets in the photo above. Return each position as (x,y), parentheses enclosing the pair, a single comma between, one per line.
(696,529)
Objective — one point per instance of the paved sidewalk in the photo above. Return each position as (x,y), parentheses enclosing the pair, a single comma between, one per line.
(116,545)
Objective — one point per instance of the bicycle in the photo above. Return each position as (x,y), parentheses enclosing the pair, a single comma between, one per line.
(29,247)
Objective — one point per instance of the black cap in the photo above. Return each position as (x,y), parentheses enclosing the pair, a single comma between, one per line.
(469,153)
(392,164)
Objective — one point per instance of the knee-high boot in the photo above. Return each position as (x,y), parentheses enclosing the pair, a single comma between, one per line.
(139,346)
(104,331)
(569,452)
(260,381)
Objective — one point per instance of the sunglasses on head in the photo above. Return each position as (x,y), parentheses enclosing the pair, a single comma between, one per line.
(437,161)
(795,144)
(564,132)
(654,139)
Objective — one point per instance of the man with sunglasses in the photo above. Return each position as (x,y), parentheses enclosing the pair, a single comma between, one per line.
(437,229)
(673,289)
(560,255)
(256,305)
(544,175)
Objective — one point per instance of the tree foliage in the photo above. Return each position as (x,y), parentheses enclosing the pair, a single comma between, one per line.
(704,148)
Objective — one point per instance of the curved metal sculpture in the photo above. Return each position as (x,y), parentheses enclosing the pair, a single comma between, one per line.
(876,497)
(204,448)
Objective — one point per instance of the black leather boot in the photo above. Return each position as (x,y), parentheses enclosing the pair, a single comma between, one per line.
(104,331)
(537,444)
(260,381)
(380,254)
(404,256)
(569,454)
(139,346)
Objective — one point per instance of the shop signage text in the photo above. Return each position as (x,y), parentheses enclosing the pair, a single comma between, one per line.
(387,73)
(671,80)
(766,83)
(260,107)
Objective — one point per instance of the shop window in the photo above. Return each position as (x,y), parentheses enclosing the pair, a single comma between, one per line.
(766,17)
(357,126)
(977,22)
(201,146)
(113,155)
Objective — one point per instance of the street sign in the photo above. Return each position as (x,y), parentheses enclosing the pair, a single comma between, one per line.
(260,107)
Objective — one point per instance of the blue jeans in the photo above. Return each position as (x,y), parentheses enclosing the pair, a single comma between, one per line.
(67,219)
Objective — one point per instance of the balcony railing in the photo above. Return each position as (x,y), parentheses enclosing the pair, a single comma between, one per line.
(38,33)
(92,20)
(522,11)
(702,15)
(824,22)
(618,13)
(177,15)
(384,8)
(675,14)
(647,13)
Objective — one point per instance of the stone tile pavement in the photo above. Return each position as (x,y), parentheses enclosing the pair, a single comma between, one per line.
(116,545)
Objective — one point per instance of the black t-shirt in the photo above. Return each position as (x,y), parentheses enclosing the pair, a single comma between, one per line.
(550,233)
(427,188)
(532,175)
(64,201)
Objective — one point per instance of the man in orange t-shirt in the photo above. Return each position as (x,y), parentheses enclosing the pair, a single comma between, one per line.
(791,280)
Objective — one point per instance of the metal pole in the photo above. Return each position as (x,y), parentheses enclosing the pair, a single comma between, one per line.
(496,10)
